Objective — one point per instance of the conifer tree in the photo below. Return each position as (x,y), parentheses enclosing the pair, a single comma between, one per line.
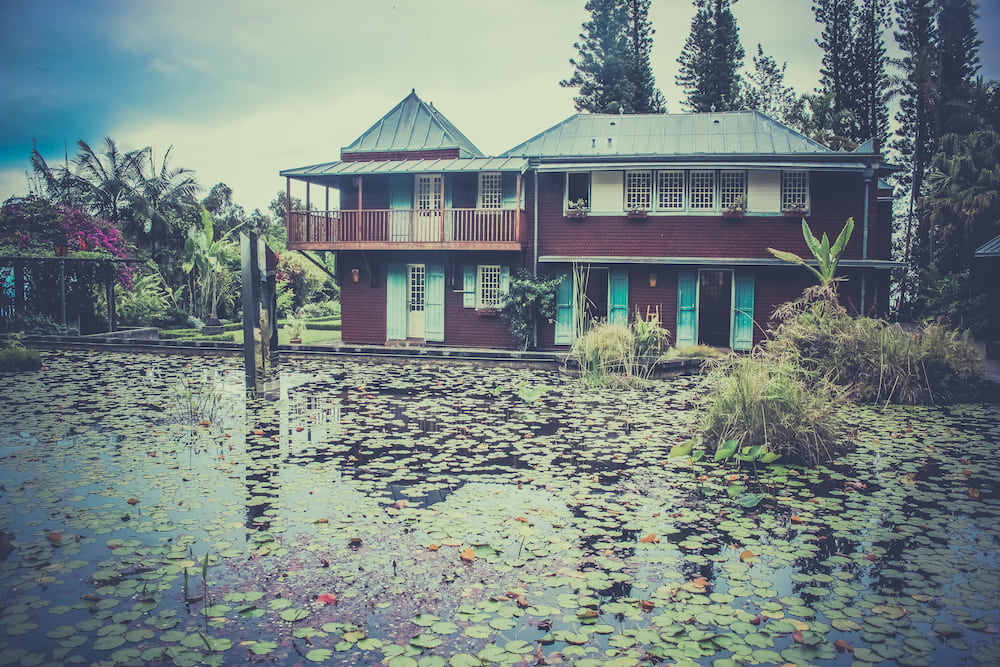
(958,58)
(764,89)
(711,58)
(613,70)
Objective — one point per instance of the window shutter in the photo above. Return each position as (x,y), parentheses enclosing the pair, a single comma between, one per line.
(618,296)
(395,301)
(400,191)
(564,309)
(504,280)
(434,303)
(469,287)
(742,336)
(687,308)
(509,183)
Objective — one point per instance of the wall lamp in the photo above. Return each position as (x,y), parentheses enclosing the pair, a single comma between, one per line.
(355,275)
(652,279)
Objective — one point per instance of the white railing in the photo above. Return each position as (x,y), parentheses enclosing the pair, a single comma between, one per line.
(405,226)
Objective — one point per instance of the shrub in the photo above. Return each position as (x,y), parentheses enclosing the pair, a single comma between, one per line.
(16,357)
(321,309)
(695,352)
(757,401)
(530,300)
(36,323)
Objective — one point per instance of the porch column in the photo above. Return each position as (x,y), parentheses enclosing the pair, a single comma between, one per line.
(308,214)
(517,209)
(442,236)
(358,181)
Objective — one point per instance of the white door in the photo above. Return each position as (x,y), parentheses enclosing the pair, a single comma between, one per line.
(428,214)
(416,275)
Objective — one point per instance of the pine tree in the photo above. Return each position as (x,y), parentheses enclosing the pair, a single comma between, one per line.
(958,58)
(764,89)
(836,70)
(613,69)
(868,62)
(711,58)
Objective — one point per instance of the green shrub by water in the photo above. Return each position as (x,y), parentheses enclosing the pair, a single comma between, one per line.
(611,354)
(758,401)
(16,357)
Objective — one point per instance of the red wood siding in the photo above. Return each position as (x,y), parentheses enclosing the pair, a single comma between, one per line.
(384,156)
(362,306)
(835,197)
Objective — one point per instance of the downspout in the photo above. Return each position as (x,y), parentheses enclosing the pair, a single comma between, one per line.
(534,225)
(864,236)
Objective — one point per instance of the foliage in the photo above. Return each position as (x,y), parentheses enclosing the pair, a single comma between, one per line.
(300,282)
(295,325)
(530,301)
(35,323)
(150,303)
(613,71)
(758,402)
(711,58)
(818,118)
(873,359)
(205,261)
(826,256)
(963,196)
(764,89)
(35,226)
(16,357)
(321,309)
(854,64)
(619,354)
(695,352)
(953,299)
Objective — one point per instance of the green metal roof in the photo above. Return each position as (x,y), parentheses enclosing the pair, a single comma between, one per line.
(711,261)
(989,249)
(746,133)
(413,125)
(320,172)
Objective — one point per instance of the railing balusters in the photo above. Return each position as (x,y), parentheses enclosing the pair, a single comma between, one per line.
(405,226)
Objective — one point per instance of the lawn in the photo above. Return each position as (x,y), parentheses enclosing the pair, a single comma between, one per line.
(429,516)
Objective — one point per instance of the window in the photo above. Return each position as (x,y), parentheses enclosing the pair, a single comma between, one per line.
(488,292)
(794,190)
(733,189)
(638,190)
(702,190)
(670,190)
(490,190)
(578,188)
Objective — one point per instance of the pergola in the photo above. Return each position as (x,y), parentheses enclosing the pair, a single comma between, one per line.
(105,273)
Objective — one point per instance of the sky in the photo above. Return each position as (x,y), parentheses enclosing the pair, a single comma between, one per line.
(241,89)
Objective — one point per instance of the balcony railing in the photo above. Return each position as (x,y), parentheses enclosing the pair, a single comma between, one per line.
(457,227)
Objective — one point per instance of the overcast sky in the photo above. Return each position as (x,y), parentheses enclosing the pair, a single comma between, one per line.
(244,88)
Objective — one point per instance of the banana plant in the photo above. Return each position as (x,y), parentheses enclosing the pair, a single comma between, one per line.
(827,256)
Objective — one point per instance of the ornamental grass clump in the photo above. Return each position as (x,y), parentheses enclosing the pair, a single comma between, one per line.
(619,354)
(759,400)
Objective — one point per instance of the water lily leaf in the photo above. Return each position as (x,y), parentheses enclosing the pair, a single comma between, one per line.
(292,615)
(262,647)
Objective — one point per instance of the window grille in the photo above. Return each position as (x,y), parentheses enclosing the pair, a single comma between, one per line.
(578,188)
(488,294)
(702,190)
(638,190)
(490,190)
(733,189)
(794,190)
(670,190)
(416,287)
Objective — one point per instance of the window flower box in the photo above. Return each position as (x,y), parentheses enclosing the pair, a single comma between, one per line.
(638,214)
(577,214)
(794,212)
(487,312)
(733,213)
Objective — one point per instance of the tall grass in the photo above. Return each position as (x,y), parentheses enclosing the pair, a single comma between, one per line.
(619,354)
(757,400)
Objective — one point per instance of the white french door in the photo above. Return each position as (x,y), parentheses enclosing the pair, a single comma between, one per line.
(415,299)
(429,190)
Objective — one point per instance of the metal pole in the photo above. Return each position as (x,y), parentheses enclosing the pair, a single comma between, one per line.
(62,292)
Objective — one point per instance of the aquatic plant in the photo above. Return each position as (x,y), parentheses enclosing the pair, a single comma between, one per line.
(619,354)
(16,357)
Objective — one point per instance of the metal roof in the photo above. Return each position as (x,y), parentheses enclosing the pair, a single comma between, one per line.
(989,249)
(685,162)
(408,167)
(697,134)
(413,125)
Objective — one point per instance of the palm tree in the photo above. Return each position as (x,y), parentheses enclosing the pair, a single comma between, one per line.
(963,198)
(158,190)
(107,179)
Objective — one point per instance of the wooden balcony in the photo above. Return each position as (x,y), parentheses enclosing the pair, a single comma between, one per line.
(407,229)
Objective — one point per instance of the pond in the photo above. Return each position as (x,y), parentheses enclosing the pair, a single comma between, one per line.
(448,515)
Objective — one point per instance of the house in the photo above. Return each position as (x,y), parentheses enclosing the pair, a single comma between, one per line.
(640,214)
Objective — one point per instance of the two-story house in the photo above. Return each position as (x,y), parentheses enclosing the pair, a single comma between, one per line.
(652,213)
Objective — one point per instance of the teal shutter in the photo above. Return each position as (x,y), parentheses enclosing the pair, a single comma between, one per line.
(687,307)
(618,296)
(504,280)
(434,303)
(395,301)
(448,190)
(564,309)
(400,191)
(742,337)
(509,184)
(469,287)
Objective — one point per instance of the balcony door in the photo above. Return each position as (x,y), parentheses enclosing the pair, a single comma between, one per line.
(429,190)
